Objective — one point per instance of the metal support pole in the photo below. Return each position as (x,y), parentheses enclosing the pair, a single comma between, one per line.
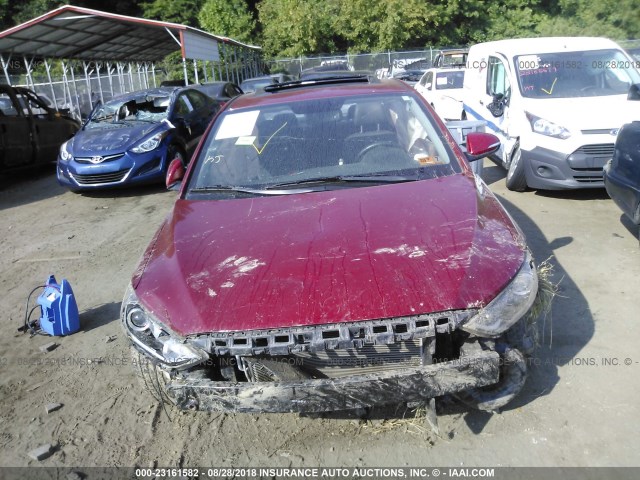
(131,77)
(243,64)
(146,74)
(140,85)
(53,93)
(110,72)
(153,74)
(195,69)
(66,90)
(98,66)
(220,71)
(28,67)
(204,70)
(234,53)
(120,66)
(75,91)
(184,71)
(5,66)
(226,62)
(88,82)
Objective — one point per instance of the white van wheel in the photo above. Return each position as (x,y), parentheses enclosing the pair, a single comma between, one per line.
(516,179)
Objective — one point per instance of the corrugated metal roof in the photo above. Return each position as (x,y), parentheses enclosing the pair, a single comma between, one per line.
(80,33)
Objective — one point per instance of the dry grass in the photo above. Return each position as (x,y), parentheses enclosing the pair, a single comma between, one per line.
(414,423)
(541,308)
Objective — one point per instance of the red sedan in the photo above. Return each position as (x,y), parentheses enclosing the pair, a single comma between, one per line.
(331,249)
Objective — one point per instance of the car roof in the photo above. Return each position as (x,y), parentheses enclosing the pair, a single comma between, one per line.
(525,46)
(302,90)
(264,77)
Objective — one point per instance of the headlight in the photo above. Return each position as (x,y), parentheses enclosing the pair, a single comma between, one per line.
(545,127)
(150,143)
(156,340)
(509,306)
(64,153)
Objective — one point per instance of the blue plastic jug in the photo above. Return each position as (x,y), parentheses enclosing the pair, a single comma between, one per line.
(59,310)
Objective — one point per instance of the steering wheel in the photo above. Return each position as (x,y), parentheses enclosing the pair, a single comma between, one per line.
(369,148)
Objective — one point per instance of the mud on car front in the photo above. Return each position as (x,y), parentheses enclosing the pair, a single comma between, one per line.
(341,366)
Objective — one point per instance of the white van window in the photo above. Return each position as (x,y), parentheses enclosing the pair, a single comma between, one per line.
(497,80)
(575,74)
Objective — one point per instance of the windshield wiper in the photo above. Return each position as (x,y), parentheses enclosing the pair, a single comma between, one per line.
(369,178)
(253,191)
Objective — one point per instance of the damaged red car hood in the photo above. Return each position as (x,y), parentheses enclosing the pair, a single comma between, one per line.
(334,256)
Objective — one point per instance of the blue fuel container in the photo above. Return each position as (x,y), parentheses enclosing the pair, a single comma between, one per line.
(59,310)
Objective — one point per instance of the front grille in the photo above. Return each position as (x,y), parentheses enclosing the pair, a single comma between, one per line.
(589,178)
(359,361)
(588,160)
(599,149)
(108,158)
(340,336)
(101,178)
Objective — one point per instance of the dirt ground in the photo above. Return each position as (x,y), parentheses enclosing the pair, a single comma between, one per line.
(579,406)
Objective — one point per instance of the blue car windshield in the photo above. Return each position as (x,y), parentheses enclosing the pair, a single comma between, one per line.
(141,109)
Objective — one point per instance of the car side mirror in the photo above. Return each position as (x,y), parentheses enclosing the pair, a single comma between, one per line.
(634,92)
(496,107)
(480,145)
(175,174)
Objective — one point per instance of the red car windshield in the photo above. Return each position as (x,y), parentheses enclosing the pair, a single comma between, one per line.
(339,137)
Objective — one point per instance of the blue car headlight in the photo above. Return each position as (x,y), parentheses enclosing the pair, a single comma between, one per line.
(65,154)
(508,306)
(150,143)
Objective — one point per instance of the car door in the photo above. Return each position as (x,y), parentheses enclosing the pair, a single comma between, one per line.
(496,104)
(16,138)
(49,131)
(428,88)
(181,117)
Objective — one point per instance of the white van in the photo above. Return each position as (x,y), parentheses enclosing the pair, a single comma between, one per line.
(555,103)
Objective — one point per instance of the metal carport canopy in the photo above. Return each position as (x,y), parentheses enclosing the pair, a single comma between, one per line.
(80,33)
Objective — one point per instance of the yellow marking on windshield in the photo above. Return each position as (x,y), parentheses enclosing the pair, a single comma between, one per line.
(548,92)
(259,150)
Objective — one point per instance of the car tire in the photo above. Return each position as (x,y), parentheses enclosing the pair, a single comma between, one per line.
(513,374)
(516,178)
(149,375)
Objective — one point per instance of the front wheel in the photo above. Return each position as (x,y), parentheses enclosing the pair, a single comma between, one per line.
(516,178)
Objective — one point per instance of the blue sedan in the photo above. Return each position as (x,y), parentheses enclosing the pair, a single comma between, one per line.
(133,138)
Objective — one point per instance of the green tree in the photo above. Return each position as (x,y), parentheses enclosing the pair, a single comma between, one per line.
(25,11)
(511,19)
(230,18)
(617,19)
(184,12)
(296,27)
(384,24)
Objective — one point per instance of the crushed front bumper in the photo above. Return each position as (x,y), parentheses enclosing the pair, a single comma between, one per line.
(195,392)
